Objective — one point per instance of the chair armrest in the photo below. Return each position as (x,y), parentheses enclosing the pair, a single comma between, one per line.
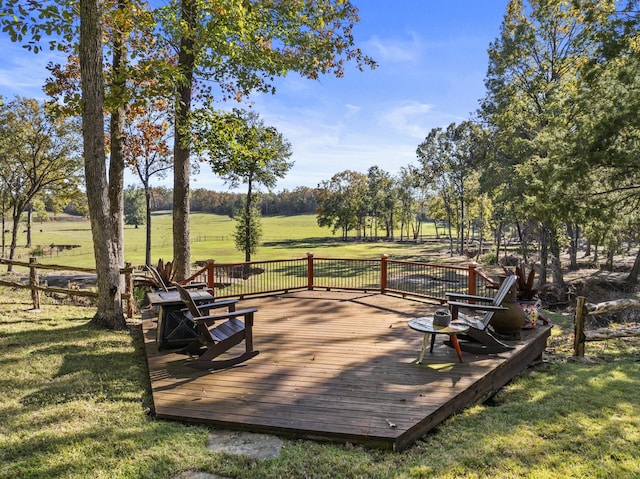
(192,286)
(468,297)
(229,315)
(218,304)
(476,307)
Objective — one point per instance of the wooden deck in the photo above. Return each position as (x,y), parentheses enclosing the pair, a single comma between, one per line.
(335,366)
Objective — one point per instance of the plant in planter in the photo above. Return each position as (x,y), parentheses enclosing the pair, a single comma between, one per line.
(528,295)
(161,275)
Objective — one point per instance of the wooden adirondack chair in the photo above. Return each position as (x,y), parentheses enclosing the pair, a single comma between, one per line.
(479,338)
(217,333)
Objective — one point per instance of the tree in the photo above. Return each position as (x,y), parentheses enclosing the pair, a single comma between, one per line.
(450,159)
(242,149)
(381,201)
(147,151)
(106,242)
(58,21)
(340,200)
(603,145)
(38,154)
(239,48)
(411,202)
(534,67)
(134,206)
(248,231)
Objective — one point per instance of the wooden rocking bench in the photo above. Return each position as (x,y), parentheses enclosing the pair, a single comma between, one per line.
(216,339)
(479,338)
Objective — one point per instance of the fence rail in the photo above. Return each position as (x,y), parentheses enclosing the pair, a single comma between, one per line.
(35,286)
(584,309)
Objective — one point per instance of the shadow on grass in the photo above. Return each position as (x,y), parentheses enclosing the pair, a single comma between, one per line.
(304,243)
(77,362)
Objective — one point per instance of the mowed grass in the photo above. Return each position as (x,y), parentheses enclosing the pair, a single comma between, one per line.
(74,403)
(284,237)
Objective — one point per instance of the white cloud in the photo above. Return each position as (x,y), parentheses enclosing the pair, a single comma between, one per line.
(409,117)
(388,50)
(352,110)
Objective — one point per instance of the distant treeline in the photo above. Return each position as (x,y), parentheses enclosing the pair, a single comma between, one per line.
(301,200)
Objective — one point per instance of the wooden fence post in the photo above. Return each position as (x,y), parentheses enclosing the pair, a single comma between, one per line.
(128,289)
(578,340)
(383,272)
(310,271)
(34,282)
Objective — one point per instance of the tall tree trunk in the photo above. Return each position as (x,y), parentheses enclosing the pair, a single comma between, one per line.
(631,281)
(182,150)
(117,125)
(17,211)
(544,252)
(556,266)
(247,223)
(4,239)
(498,240)
(523,243)
(147,246)
(109,313)
(574,234)
(29,225)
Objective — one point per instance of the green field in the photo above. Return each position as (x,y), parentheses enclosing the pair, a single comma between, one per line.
(284,237)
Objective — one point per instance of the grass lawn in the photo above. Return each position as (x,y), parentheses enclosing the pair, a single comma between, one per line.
(74,402)
(284,237)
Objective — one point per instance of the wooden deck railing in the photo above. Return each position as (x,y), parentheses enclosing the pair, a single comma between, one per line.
(407,278)
(239,280)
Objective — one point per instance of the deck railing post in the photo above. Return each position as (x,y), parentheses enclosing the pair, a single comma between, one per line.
(471,286)
(210,275)
(309,271)
(34,282)
(383,273)
(578,340)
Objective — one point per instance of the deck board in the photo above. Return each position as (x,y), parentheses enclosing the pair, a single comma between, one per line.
(335,366)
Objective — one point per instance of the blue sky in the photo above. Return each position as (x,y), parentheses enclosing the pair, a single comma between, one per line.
(432,57)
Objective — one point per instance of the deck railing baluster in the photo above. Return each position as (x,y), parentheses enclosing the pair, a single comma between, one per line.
(414,278)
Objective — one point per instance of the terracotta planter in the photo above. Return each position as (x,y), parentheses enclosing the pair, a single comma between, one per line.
(509,323)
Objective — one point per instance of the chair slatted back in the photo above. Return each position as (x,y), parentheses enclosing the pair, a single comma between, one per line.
(188,301)
(500,296)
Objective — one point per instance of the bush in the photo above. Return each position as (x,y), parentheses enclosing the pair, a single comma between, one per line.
(490,258)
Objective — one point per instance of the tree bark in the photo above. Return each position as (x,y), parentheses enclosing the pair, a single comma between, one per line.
(631,281)
(109,312)
(117,125)
(544,252)
(556,266)
(29,224)
(182,150)
(147,248)
(574,234)
(15,217)
(247,223)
